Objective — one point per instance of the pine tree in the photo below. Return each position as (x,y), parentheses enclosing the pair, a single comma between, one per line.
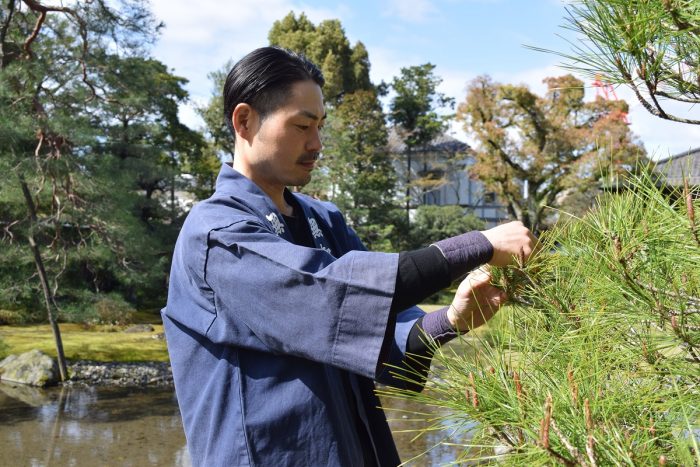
(598,361)
(651,46)
(91,144)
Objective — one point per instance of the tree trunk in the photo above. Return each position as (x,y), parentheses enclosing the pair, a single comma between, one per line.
(4,27)
(408,188)
(48,296)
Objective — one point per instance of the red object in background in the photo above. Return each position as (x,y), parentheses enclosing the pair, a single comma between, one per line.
(607,92)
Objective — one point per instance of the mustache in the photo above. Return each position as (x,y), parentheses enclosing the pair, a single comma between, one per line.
(313,157)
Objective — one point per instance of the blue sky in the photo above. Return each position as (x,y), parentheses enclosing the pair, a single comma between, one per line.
(463,38)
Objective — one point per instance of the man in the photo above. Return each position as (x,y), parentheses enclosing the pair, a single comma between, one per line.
(277,318)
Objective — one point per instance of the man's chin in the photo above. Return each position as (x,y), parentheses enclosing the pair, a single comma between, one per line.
(301,181)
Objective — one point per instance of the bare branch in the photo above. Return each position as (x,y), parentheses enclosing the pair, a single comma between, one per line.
(34,34)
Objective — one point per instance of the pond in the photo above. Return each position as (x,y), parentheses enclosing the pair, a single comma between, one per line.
(106,426)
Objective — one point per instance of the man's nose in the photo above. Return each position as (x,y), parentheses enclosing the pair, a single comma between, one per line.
(315,144)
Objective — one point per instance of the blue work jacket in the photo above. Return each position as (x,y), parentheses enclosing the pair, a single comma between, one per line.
(273,345)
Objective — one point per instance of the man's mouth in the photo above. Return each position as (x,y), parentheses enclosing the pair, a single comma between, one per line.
(309,162)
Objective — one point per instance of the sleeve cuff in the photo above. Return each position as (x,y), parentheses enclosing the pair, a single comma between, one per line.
(437,326)
(465,252)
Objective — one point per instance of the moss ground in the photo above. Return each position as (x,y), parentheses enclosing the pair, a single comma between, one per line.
(79,342)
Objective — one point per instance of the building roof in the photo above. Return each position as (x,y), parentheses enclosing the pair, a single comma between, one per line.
(443,143)
(686,164)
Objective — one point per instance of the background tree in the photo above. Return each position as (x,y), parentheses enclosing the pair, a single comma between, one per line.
(414,113)
(144,150)
(356,171)
(204,166)
(653,47)
(45,82)
(532,150)
(345,67)
(91,138)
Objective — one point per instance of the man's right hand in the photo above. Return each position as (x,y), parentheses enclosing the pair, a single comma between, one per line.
(510,241)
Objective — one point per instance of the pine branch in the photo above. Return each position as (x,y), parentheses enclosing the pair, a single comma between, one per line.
(687,100)
(570,447)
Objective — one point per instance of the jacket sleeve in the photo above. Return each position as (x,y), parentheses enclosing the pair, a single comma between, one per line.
(395,368)
(268,294)
(401,369)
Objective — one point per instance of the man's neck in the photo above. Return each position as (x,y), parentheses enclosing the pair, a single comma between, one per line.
(273,190)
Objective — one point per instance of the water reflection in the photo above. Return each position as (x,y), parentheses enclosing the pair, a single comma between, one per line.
(434,447)
(139,427)
(91,427)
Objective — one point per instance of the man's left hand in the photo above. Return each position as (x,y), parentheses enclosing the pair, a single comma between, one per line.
(475,302)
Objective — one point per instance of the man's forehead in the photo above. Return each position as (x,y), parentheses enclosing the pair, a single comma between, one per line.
(307,100)
(311,114)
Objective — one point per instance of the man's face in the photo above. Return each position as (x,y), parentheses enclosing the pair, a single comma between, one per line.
(287,143)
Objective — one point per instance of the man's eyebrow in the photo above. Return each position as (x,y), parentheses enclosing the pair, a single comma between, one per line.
(312,115)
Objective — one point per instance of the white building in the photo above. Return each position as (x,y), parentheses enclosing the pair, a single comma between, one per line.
(440,176)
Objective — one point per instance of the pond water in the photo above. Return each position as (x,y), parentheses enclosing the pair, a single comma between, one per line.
(101,426)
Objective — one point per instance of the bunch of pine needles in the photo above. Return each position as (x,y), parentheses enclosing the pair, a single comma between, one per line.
(597,362)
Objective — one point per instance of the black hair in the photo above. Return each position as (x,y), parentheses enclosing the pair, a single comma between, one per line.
(263,78)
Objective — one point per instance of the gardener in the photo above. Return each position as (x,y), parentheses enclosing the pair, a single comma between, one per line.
(277,318)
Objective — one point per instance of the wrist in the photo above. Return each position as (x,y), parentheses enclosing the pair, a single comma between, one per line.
(455,319)
(437,325)
(451,318)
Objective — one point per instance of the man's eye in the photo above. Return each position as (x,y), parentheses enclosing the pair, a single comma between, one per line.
(303,127)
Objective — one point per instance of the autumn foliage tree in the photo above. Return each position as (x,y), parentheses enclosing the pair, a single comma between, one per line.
(534,150)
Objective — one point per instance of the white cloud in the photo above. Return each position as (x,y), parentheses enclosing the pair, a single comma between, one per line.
(413,11)
(200,37)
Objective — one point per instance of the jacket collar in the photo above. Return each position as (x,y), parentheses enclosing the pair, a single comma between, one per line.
(233,183)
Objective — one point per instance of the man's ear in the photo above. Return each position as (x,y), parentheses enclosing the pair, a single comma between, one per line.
(245,121)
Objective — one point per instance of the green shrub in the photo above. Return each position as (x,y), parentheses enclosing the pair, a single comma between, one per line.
(433,223)
(11,317)
(96,309)
(113,309)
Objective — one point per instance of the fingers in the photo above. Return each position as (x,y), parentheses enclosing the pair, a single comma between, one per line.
(476,301)
(477,286)
(479,277)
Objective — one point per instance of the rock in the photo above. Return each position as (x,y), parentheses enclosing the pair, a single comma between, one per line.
(140,328)
(34,368)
